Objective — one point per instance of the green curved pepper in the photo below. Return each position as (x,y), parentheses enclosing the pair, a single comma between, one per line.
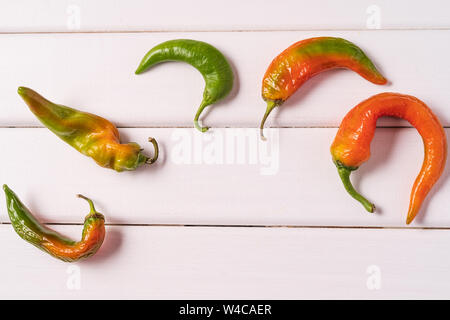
(208,60)
(55,244)
(90,134)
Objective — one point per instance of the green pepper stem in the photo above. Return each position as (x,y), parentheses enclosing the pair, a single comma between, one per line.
(156,151)
(197,116)
(271,104)
(91,203)
(344,173)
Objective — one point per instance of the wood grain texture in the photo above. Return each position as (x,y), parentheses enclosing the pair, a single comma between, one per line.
(235,263)
(95,72)
(224,177)
(137,15)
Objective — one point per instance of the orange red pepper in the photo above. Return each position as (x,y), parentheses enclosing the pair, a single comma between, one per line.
(306,58)
(351,147)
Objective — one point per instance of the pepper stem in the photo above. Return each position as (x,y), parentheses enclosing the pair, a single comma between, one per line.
(197,115)
(344,173)
(91,203)
(271,104)
(156,151)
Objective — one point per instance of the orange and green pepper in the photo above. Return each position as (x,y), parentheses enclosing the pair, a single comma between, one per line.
(55,244)
(90,134)
(306,58)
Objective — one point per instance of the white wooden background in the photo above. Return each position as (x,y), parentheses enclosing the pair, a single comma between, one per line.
(222,215)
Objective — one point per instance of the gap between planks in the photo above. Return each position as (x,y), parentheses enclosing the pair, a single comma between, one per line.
(216,127)
(243,226)
(226,30)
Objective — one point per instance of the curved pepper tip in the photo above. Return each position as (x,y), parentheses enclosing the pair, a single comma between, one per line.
(344,174)
(381,81)
(22,90)
(156,151)
(261,134)
(199,127)
(91,204)
(197,124)
(139,69)
(409,218)
(271,104)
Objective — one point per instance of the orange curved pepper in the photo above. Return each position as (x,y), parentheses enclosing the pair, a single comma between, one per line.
(351,147)
(304,59)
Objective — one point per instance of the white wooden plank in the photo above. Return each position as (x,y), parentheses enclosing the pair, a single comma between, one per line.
(132,15)
(235,263)
(95,72)
(290,180)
